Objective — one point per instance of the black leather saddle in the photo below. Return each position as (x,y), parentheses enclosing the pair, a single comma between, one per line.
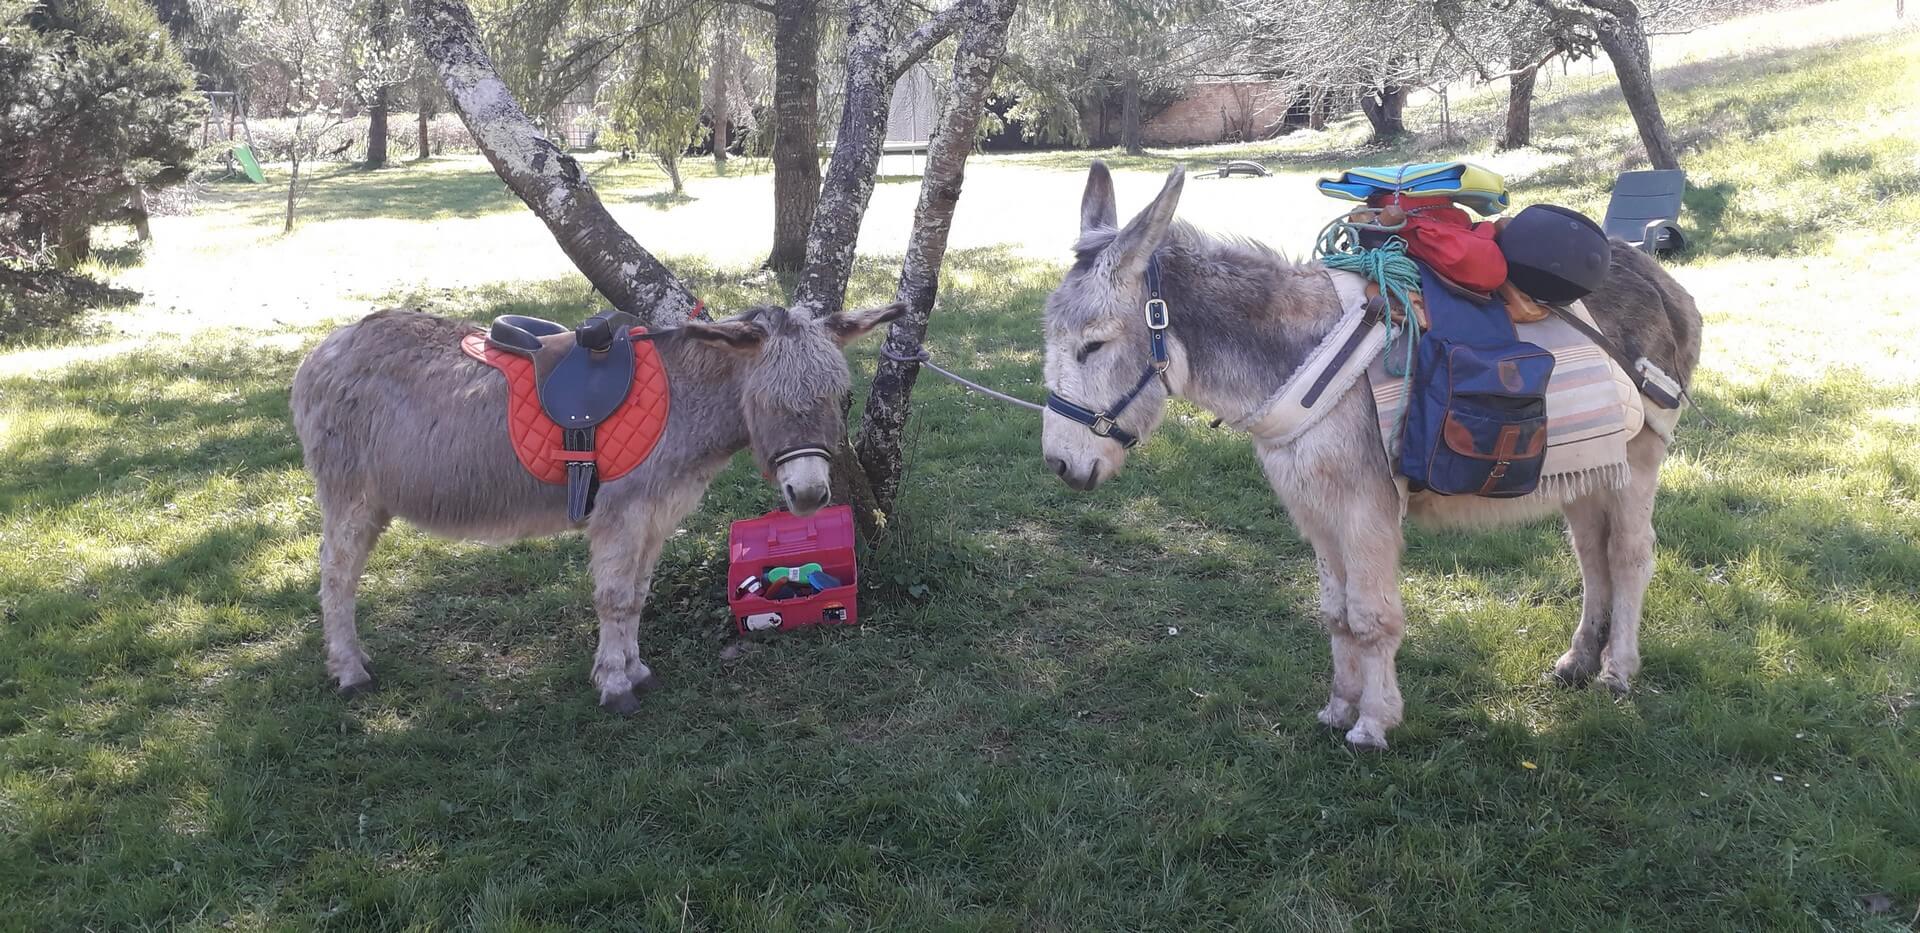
(578,390)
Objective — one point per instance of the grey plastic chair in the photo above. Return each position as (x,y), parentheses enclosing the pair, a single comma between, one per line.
(1645,210)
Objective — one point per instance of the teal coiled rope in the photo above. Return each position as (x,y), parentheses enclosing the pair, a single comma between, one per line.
(1386,266)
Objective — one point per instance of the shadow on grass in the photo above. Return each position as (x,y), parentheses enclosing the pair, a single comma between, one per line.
(663,200)
(1096,693)
(43,303)
(419,192)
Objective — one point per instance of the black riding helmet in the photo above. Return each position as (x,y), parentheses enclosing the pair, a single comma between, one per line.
(1555,254)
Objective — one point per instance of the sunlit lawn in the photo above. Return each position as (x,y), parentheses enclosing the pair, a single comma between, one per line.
(1062,711)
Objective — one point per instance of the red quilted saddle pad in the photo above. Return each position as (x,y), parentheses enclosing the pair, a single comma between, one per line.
(620,443)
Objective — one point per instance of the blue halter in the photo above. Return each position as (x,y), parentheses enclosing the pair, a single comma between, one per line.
(1106,423)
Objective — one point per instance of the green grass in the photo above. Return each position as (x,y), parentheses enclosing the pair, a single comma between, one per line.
(1787,152)
(1025,744)
(1062,711)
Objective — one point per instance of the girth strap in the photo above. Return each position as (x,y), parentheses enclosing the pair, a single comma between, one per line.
(583,475)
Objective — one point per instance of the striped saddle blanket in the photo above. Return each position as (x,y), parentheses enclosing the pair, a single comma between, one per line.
(1593,409)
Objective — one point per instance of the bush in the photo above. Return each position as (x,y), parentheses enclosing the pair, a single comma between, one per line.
(95,103)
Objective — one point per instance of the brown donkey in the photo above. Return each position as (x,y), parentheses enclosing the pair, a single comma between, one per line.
(396,421)
(1243,320)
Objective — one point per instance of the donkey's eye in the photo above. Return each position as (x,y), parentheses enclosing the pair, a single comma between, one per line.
(1089,350)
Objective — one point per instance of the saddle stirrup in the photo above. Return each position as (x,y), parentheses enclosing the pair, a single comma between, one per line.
(583,479)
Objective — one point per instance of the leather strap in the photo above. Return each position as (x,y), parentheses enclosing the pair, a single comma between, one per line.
(1106,423)
(1328,372)
(1647,387)
(1099,422)
(583,479)
(788,456)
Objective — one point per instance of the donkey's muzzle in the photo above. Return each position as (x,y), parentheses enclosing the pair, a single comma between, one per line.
(806,478)
(1074,480)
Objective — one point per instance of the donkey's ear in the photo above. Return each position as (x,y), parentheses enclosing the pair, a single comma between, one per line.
(739,335)
(848,326)
(1145,233)
(1097,209)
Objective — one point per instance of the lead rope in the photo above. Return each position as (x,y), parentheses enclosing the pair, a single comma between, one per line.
(1388,267)
(921,358)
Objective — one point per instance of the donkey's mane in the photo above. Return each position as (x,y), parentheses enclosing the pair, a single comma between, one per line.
(1185,236)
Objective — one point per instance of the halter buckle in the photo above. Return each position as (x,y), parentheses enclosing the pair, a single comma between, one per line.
(1156,314)
(1102,426)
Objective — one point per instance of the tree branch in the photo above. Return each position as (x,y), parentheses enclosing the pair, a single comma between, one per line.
(929,34)
(542,174)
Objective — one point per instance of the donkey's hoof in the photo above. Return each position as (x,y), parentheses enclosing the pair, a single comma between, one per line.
(624,703)
(1571,671)
(1617,685)
(357,688)
(646,685)
(1367,737)
(1337,714)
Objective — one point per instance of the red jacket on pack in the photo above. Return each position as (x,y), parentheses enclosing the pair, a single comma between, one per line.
(1444,237)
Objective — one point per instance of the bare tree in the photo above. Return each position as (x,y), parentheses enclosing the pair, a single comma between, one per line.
(1378,51)
(1528,35)
(1518,36)
(982,43)
(305,41)
(426,102)
(1619,28)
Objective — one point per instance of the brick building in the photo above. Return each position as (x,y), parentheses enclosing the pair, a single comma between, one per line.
(1217,111)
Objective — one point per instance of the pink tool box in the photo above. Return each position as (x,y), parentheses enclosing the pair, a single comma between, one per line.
(775,544)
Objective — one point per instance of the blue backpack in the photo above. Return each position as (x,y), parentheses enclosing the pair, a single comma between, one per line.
(1476,417)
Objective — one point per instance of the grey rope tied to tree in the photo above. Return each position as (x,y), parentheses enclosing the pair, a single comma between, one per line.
(921,358)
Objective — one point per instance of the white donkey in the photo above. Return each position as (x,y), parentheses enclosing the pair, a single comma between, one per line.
(1242,320)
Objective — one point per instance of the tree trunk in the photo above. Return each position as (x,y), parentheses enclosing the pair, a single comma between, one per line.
(377,130)
(293,179)
(1317,108)
(719,109)
(542,174)
(873,65)
(1625,40)
(423,112)
(850,173)
(1519,131)
(74,247)
(377,107)
(1130,115)
(889,403)
(796,128)
(142,228)
(1385,108)
(670,162)
(426,138)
